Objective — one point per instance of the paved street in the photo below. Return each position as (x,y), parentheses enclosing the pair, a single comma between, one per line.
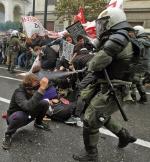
(32,145)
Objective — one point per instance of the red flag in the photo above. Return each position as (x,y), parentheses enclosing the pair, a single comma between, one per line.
(80,16)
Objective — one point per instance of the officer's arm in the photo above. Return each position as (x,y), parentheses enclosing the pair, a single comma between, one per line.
(99,61)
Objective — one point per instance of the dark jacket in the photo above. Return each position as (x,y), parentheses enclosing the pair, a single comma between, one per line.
(21,101)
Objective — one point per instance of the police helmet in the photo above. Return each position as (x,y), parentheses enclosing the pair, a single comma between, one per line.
(139,29)
(15,33)
(114,15)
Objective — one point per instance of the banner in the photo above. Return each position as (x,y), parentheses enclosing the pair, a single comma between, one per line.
(32,25)
(75,30)
(67,50)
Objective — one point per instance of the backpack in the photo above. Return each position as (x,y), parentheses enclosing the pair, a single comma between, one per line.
(140,60)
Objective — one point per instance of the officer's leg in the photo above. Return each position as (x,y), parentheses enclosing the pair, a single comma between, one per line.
(124,137)
(141,90)
(91,129)
(13,61)
(133,92)
(90,138)
(9,61)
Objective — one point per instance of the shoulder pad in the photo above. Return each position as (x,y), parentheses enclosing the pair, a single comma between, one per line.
(121,37)
(124,33)
(116,42)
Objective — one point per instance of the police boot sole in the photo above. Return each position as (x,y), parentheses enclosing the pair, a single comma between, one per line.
(85,159)
(131,140)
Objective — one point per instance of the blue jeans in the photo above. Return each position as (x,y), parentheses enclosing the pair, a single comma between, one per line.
(22,60)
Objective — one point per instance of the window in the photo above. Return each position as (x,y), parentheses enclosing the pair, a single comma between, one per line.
(59,27)
(52,2)
(50,25)
(136,23)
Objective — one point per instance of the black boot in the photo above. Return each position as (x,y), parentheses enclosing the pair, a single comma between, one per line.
(7,142)
(143,99)
(8,68)
(133,95)
(90,138)
(125,138)
(90,155)
(143,96)
(12,69)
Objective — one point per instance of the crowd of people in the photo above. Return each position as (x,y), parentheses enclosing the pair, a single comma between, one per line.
(66,90)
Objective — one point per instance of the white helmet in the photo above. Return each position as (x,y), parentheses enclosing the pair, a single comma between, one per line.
(139,29)
(116,15)
(15,33)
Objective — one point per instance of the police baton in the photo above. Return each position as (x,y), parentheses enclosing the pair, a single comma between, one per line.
(115,95)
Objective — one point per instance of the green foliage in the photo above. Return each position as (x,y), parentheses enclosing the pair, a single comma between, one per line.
(68,8)
(9,25)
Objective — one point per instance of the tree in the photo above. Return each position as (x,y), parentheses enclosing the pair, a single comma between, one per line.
(66,9)
(9,25)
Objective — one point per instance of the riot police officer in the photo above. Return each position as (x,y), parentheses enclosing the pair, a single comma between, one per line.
(143,38)
(14,47)
(114,54)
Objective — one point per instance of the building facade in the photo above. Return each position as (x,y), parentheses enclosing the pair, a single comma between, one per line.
(138,12)
(11,10)
(53,24)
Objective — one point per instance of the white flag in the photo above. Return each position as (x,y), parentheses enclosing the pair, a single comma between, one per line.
(115,3)
(32,25)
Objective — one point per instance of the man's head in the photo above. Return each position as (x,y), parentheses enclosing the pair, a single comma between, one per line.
(31,83)
(80,39)
(68,38)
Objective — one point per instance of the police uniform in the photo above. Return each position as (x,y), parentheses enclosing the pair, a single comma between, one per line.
(115,55)
(144,42)
(14,47)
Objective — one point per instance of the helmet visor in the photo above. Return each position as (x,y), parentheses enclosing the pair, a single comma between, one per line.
(101,26)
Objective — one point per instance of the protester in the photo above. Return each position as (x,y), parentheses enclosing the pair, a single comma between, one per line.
(21,54)
(1,53)
(60,108)
(26,105)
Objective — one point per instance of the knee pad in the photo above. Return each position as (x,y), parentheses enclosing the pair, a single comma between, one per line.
(89,130)
(102,118)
